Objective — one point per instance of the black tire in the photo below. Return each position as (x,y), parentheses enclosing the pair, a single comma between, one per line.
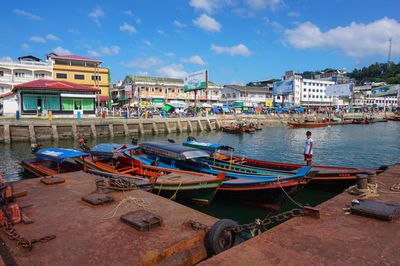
(221,237)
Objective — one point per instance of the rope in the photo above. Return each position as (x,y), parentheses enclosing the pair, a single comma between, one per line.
(159,190)
(139,202)
(287,195)
(173,197)
(395,188)
(230,162)
(370,192)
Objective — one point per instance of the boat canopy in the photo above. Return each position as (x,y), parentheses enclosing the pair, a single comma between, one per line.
(111,149)
(172,150)
(57,154)
(207,146)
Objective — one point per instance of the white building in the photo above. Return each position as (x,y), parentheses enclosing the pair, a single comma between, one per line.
(362,97)
(245,95)
(307,92)
(23,70)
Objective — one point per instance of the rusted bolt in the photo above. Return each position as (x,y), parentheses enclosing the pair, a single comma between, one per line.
(362,182)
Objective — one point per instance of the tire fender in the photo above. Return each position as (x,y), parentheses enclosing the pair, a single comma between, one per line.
(221,236)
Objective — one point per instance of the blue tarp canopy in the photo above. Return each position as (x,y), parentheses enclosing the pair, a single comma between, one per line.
(281,109)
(172,150)
(216,110)
(299,109)
(207,146)
(225,109)
(57,154)
(111,149)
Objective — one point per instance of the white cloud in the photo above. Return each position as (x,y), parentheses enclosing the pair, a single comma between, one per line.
(74,31)
(161,32)
(138,21)
(61,51)
(112,50)
(239,49)
(293,14)
(206,5)
(356,40)
(207,23)
(96,14)
(148,43)
(128,12)
(144,62)
(170,54)
(52,37)
(126,27)
(194,60)
(178,24)
(27,14)
(37,39)
(238,82)
(6,59)
(172,71)
(25,46)
(93,53)
(261,4)
(142,73)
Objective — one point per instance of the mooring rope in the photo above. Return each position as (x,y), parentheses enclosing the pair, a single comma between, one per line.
(139,202)
(287,195)
(370,192)
(173,197)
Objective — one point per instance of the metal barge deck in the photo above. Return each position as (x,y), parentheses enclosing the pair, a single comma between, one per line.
(94,235)
(335,239)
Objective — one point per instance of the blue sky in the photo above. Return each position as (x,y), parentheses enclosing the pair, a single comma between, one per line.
(236,40)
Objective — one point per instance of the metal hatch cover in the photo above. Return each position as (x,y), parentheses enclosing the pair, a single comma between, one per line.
(375,209)
(142,220)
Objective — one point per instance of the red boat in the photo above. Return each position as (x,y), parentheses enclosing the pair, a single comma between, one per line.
(306,124)
(232,129)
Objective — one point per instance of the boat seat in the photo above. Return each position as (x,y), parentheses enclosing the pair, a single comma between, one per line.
(129,170)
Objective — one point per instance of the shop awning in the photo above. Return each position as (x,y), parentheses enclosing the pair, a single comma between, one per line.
(72,95)
(237,104)
(158,101)
(216,110)
(123,99)
(259,108)
(225,109)
(166,108)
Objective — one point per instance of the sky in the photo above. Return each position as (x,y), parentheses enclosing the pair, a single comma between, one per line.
(237,41)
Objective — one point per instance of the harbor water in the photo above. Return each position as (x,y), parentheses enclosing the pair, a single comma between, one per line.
(363,146)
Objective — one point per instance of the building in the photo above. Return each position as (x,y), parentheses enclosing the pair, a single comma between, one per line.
(307,92)
(247,96)
(84,71)
(158,91)
(63,98)
(27,68)
(362,97)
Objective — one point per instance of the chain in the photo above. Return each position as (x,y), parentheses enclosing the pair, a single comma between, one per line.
(256,225)
(121,182)
(9,228)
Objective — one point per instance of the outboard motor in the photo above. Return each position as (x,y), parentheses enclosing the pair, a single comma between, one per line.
(171,141)
(35,147)
(134,141)
(190,138)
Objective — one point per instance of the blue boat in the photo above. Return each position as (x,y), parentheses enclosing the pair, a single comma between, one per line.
(53,161)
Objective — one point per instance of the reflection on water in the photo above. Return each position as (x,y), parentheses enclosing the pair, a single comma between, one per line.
(366,146)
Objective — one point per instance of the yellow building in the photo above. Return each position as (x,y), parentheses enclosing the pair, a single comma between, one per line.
(82,70)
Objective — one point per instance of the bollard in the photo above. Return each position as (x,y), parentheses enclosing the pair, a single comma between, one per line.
(126,115)
(362,182)
(371,177)
(50,115)
(145,115)
(103,115)
(17,115)
(79,115)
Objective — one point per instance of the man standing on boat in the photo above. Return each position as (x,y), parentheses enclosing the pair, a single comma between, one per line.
(308,150)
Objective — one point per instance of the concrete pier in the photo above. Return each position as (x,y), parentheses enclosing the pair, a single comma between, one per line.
(94,235)
(337,238)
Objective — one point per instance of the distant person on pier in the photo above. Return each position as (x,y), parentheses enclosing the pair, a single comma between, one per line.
(308,150)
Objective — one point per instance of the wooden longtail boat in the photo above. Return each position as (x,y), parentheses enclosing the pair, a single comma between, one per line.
(394,118)
(323,174)
(53,161)
(232,129)
(306,124)
(198,187)
(239,181)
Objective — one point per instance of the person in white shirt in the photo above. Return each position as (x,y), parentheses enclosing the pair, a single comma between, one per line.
(308,150)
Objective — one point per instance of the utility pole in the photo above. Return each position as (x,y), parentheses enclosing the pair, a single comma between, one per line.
(390,51)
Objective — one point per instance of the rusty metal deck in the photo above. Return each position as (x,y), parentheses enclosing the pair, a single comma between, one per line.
(92,235)
(336,239)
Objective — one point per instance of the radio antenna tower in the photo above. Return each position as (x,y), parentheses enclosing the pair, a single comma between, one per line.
(390,51)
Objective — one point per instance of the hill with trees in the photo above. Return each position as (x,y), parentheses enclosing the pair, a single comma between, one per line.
(377,72)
